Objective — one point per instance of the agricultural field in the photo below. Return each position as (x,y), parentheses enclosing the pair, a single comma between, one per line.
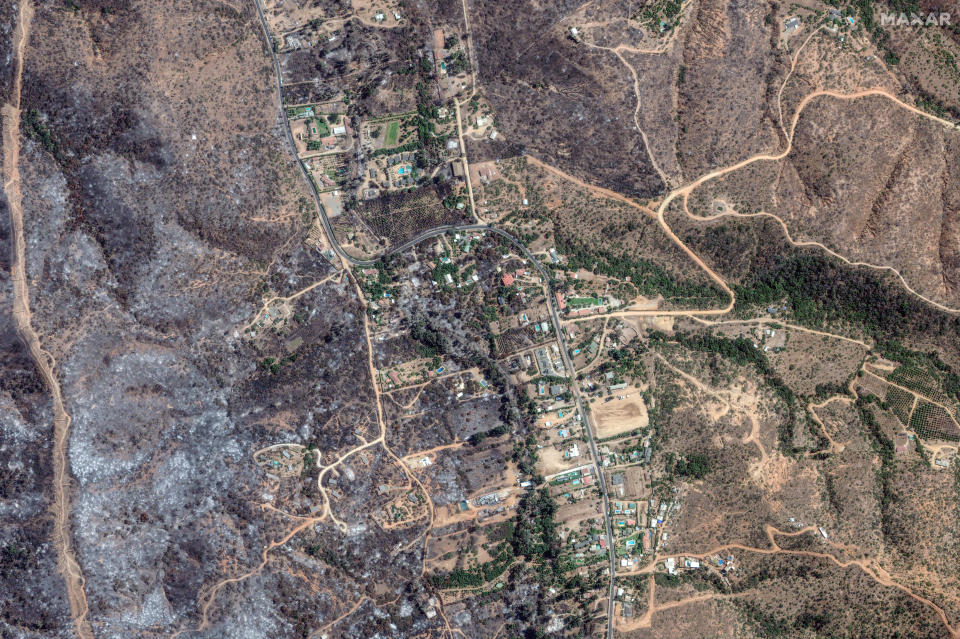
(625,412)
(479,319)
(401,216)
(393,132)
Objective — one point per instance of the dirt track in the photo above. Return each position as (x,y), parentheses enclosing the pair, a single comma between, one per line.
(869,567)
(66,562)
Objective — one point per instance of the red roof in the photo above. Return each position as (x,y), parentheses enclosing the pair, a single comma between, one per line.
(508,279)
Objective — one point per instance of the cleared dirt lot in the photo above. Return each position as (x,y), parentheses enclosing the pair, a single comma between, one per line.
(620,415)
(552,460)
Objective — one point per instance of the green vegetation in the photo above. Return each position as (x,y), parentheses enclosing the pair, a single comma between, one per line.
(931,105)
(317,126)
(648,278)
(274,365)
(811,285)
(442,270)
(393,132)
(293,112)
(659,15)
(884,449)
(433,342)
(35,128)
(403,148)
(533,536)
(584,302)
(496,431)
(925,373)
(480,574)
(741,351)
(381,285)
(456,62)
(525,455)
(696,466)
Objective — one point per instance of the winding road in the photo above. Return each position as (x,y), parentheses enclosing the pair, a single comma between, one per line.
(67,563)
(659,214)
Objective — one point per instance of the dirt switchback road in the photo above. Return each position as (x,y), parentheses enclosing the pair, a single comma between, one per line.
(66,562)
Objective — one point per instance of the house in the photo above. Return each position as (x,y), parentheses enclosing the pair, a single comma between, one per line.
(791,25)
(339,130)
(508,279)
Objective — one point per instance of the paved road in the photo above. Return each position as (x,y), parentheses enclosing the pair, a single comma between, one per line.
(593,445)
(324,220)
(441,230)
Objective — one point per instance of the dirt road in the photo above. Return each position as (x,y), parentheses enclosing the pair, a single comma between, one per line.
(868,566)
(66,562)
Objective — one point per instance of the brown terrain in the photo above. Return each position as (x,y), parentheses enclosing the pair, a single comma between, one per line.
(677,355)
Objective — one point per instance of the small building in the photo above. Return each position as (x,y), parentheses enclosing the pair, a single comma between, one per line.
(339,130)
(457,167)
(791,25)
